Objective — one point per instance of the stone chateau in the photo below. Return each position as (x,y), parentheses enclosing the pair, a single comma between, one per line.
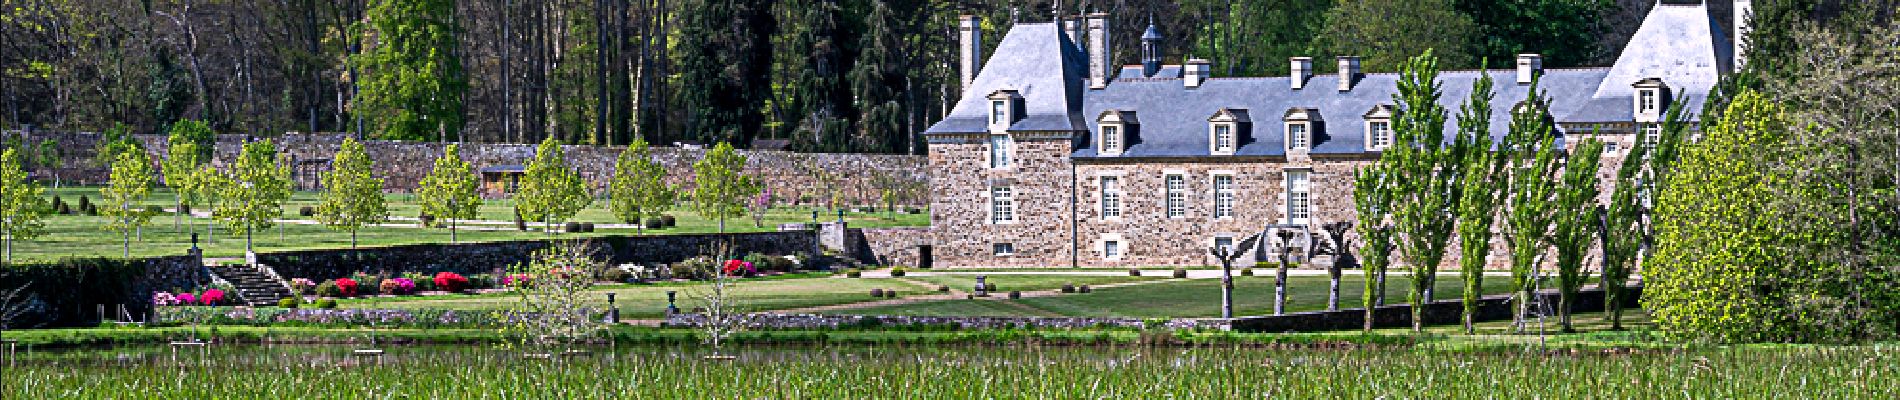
(1056,155)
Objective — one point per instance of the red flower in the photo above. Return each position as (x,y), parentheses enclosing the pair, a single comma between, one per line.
(450,282)
(347,286)
(734,267)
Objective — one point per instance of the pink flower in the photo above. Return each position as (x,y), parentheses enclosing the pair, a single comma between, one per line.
(212,297)
(187,298)
(733,267)
(164,299)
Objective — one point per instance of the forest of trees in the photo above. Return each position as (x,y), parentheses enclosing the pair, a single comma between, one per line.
(828,75)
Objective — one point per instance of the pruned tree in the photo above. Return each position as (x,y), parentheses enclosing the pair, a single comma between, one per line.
(1372,201)
(1530,149)
(720,185)
(254,195)
(724,314)
(352,195)
(1424,181)
(49,156)
(639,187)
(182,159)
(556,305)
(207,187)
(551,191)
(1479,194)
(450,191)
(131,184)
(22,204)
(1226,256)
(1574,225)
(1339,247)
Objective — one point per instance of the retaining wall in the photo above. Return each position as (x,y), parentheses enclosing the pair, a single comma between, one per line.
(488,257)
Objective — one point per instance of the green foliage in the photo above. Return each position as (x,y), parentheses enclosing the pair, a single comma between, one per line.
(1372,202)
(1574,226)
(1627,229)
(721,187)
(555,307)
(551,192)
(115,140)
(1530,149)
(254,191)
(1424,177)
(187,148)
(352,195)
(450,191)
(67,292)
(1254,37)
(1565,32)
(131,184)
(412,79)
(639,186)
(875,84)
(723,53)
(22,204)
(1479,192)
(1717,273)
(1387,33)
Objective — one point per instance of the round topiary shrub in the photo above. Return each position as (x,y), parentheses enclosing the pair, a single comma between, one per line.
(571,227)
(943,288)
(85,205)
(289,302)
(615,274)
(897,272)
(877,292)
(1084,289)
(655,223)
(450,282)
(890,294)
(1134,272)
(587,227)
(852,273)
(1015,295)
(989,286)
(426,220)
(326,303)
(1068,288)
(1246,272)
(329,289)
(306,211)
(184,209)
(154,210)
(669,221)
(1180,273)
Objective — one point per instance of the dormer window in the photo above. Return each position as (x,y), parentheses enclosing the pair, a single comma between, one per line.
(1652,96)
(1299,128)
(1116,127)
(1223,130)
(1379,134)
(1005,107)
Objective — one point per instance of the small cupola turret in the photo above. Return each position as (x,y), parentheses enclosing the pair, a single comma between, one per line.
(1151,50)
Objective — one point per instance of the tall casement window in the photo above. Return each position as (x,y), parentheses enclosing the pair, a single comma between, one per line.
(1176,186)
(1299,128)
(1379,128)
(1299,206)
(1111,197)
(1652,97)
(1002,205)
(1003,105)
(1648,101)
(1652,134)
(1223,196)
(1224,130)
(999,151)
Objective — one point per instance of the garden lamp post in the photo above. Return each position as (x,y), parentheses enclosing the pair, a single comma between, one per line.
(613,313)
(840,215)
(670,307)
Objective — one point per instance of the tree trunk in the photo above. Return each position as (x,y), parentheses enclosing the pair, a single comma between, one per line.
(1332,294)
(451,231)
(178,214)
(1279,287)
(1564,298)
(1381,293)
(1226,289)
(352,239)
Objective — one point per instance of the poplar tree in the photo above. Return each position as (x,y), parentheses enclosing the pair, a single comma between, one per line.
(131,184)
(450,191)
(1372,202)
(720,186)
(1530,149)
(1626,222)
(1478,203)
(352,196)
(1575,223)
(639,186)
(254,191)
(551,192)
(22,205)
(1424,179)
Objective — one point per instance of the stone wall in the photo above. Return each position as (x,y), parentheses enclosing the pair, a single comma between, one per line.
(80,292)
(961,211)
(402,165)
(895,246)
(1444,312)
(817,321)
(486,258)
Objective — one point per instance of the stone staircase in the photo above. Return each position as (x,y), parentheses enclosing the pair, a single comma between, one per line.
(254,287)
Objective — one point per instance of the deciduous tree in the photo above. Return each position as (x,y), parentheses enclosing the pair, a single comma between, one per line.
(450,191)
(22,207)
(1530,149)
(131,184)
(413,82)
(551,192)
(254,191)
(1574,226)
(721,186)
(1479,193)
(1372,203)
(352,195)
(639,187)
(1425,178)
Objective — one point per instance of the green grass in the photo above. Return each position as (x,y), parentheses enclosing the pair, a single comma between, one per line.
(1016,372)
(83,236)
(649,301)
(1182,298)
(1005,283)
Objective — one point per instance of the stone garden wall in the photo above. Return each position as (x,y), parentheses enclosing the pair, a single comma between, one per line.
(790,176)
(82,291)
(1444,312)
(487,257)
(894,246)
(816,321)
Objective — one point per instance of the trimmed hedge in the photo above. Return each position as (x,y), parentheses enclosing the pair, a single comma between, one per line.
(69,292)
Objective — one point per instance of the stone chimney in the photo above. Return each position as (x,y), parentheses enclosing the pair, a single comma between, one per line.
(1529,67)
(1073,27)
(1198,70)
(1099,64)
(1348,72)
(1302,70)
(970,44)
(1744,23)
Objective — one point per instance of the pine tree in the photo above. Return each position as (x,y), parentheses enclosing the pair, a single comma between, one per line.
(352,195)
(450,191)
(551,192)
(874,83)
(639,186)
(22,205)
(131,184)
(723,56)
(721,186)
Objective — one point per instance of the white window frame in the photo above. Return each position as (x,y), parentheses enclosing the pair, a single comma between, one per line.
(999,112)
(1649,135)
(1225,139)
(1381,139)
(1647,100)
(1611,147)
(1002,205)
(1113,249)
(1111,139)
(1301,138)
(1299,196)
(1111,197)
(1002,249)
(1224,196)
(1175,197)
(1001,147)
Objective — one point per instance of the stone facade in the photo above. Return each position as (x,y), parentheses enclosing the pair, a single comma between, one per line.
(402,165)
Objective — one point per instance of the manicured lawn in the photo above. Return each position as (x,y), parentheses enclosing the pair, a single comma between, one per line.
(1006,283)
(1186,298)
(83,236)
(649,301)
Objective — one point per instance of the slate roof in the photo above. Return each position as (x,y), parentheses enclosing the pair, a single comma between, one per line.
(1678,43)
